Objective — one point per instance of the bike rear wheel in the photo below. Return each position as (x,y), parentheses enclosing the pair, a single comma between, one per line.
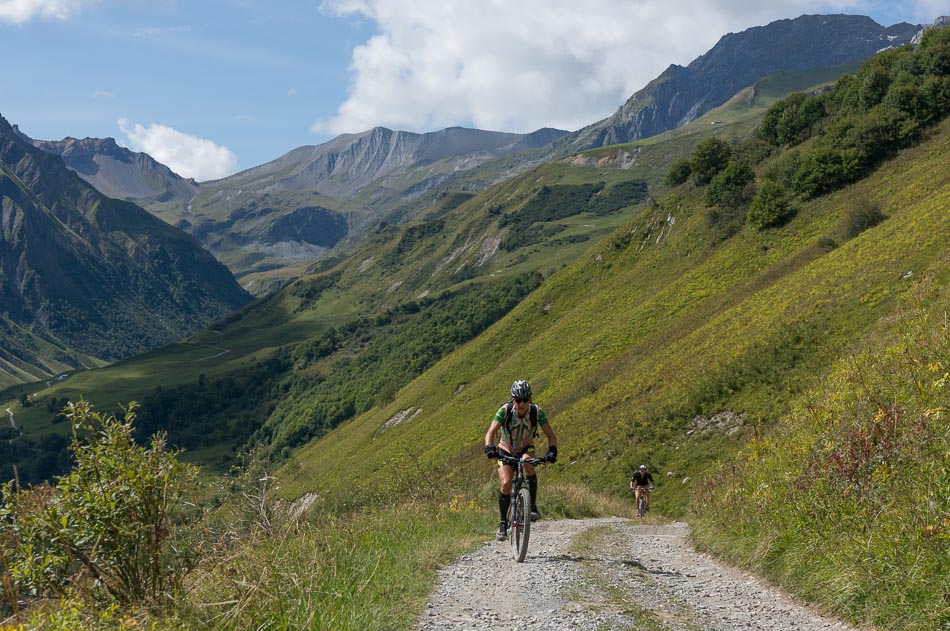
(520,527)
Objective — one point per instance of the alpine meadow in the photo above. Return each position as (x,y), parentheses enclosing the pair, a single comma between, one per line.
(754,303)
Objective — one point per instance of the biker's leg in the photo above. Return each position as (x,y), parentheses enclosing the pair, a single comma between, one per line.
(505,475)
(532,477)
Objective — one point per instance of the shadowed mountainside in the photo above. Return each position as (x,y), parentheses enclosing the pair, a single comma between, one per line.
(85,278)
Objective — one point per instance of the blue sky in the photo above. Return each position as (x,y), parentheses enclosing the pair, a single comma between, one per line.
(210,87)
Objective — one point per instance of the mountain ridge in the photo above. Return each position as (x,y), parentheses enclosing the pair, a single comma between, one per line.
(87,276)
(119,172)
(681,94)
(357,179)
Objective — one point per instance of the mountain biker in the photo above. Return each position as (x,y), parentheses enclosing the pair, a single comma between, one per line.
(641,482)
(518,421)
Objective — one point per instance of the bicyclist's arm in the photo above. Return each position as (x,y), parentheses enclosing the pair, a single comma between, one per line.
(492,432)
(549,433)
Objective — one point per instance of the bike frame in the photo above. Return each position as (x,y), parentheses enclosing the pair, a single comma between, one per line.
(519,513)
(640,495)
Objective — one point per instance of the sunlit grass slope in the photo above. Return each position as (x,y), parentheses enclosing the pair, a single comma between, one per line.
(661,345)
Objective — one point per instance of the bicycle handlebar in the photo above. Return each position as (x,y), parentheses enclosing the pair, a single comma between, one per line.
(513,460)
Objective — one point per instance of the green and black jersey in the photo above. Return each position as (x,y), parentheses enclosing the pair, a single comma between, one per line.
(518,432)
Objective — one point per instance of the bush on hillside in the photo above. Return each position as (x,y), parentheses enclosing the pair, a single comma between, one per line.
(824,169)
(791,120)
(863,214)
(732,187)
(710,157)
(679,172)
(753,152)
(770,206)
(104,531)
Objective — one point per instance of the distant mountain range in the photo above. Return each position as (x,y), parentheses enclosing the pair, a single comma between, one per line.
(310,201)
(381,158)
(85,278)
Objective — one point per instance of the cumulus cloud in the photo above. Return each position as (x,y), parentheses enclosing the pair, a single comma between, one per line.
(518,66)
(186,155)
(20,11)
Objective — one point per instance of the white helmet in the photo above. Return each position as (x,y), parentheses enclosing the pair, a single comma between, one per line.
(521,389)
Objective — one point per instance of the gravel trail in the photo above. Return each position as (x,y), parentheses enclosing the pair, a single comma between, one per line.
(594,574)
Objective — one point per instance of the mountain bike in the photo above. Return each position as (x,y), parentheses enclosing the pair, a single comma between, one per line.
(642,505)
(519,514)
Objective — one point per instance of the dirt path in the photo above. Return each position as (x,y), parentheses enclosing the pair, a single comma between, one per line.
(608,574)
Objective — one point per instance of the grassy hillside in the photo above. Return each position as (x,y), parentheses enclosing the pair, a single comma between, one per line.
(657,330)
(667,344)
(254,374)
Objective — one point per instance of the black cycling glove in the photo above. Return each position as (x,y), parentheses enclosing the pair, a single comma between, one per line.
(491,451)
(551,456)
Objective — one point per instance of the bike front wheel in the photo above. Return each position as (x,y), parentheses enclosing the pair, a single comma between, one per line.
(520,525)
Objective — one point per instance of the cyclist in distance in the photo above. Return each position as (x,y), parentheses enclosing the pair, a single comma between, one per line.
(518,421)
(641,481)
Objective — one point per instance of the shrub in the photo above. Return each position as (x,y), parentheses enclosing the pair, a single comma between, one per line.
(864,214)
(770,206)
(710,157)
(104,531)
(791,120)
(825,169)
(731,187)
(679,172)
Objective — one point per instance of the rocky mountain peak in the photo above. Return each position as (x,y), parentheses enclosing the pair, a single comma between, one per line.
(941,22)
(682,94)
(119,172)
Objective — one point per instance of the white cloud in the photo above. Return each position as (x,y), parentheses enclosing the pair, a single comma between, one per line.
(518,66)
(20,11)
(103,95)
(186,155)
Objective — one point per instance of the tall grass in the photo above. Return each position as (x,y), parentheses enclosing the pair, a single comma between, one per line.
(368,571)
(371,569)
(848,502)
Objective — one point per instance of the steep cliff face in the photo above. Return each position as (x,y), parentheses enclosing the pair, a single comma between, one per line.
(84,276)
(680,95)
(117,172)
